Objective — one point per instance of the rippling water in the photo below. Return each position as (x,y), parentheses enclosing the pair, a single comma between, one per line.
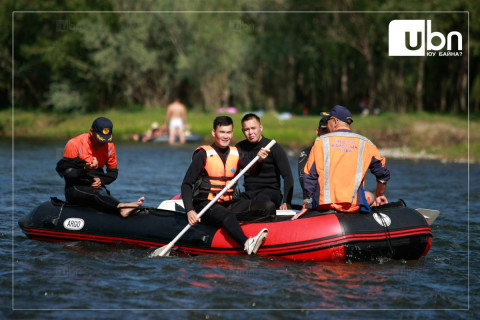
(88,280)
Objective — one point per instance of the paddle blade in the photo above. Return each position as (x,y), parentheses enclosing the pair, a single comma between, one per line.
(161,252)
(429,214)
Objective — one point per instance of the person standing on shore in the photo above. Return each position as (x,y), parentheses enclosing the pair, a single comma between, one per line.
(176,120)
(82,165)
(265,185)
(336,168)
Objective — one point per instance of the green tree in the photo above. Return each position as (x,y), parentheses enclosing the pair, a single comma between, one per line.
(279,55)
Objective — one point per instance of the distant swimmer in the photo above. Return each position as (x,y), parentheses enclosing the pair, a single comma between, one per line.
(176,119)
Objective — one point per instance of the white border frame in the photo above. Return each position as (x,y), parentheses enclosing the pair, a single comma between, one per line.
(271,12)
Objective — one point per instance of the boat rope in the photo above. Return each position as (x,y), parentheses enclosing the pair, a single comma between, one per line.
(55,221)
(56,201)
(387,233)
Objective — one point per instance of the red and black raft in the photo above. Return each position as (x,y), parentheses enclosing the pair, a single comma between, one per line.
(393,231)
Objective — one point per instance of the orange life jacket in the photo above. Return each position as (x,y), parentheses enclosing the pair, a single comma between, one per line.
(81,146)
(341,161)
(218,175)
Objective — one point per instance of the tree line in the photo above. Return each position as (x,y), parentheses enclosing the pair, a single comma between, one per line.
(283,55)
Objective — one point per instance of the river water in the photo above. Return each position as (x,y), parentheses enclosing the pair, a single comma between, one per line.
(41,280)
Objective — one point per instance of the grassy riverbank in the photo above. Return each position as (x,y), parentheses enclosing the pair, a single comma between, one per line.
(421,135)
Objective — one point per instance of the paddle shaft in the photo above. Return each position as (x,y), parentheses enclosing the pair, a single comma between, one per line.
(165,250)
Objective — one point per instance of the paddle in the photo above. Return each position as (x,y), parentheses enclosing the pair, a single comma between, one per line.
(165,250)
(429,214)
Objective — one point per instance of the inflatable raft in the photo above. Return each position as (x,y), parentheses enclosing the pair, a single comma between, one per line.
(392,231)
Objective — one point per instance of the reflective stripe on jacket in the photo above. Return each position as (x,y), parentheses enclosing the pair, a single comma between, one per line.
(218,174)
(336,168)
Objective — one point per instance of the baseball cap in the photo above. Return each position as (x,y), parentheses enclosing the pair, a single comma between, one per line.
(322,124)
(103,130)
(341,113)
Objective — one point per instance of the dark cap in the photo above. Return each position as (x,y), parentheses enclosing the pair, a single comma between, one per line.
(322,124)
(341,113)
(103,129)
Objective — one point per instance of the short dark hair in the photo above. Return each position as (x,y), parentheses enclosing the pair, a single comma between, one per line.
(222,121)
(250,116)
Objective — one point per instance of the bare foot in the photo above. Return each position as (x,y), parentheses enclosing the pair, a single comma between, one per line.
(127,207)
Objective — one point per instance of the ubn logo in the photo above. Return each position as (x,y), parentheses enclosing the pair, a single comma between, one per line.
(409,38)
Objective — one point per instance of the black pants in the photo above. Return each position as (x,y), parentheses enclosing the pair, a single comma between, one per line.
(87,196)
(225,215)
(263,195)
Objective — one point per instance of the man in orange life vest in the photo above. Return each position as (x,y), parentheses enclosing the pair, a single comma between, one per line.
(82,165)
(336,168)
(212,168)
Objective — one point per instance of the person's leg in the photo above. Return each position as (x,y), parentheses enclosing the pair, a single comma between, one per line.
(99,199)
(265,210)
(178,137)
(248,207)
(265,195)
(253,210)
(171,136)
(218,215)
(85,195)
(127,207)
(181,135)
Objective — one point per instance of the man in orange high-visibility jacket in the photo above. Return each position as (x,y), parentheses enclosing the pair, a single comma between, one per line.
(336,168)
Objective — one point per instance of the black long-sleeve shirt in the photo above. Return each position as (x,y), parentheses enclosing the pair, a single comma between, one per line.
(269,170)
(194,171)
